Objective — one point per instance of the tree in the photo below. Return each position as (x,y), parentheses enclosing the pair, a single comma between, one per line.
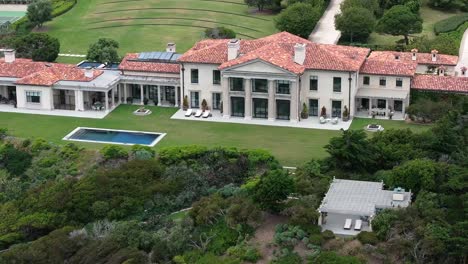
(273,188)
(355,22)
(260,4)
(418,174)
(400,21)
(37,46)
(314,3)
(39,12)
(104,50)
(299,19)
(371,5)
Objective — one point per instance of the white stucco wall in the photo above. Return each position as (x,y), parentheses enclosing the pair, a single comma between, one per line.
(374,82)
(46,97)
(205,85)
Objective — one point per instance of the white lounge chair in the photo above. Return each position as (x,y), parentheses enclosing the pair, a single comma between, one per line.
(335,120)
(198,113)
(348,224)
(206,114)
(358,225)
(322,120)
(189,112)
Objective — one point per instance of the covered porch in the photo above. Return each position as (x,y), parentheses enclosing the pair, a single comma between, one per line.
(144,90)
(381,104)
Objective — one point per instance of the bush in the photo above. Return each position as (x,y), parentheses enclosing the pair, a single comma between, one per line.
(60,7)
(450,24)
(368,238)
(244,252)
(220,33)
(316,240)
(114,152)
(273,188)
(328,234)
(15,161)
(3,133)
(298,19)
(142,152)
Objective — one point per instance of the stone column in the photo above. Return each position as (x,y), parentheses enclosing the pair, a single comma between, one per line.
(294,110)
(271,101)
(79,100)
(125,92)
(113,97)
(159,95)
(248,99)
(142,96)
(106,106)
(176,96)
(370,107)
(226,98)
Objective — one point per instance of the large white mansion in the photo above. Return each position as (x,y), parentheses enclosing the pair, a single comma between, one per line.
(267,78)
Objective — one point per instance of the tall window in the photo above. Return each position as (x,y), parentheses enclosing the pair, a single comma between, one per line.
(282,87)
(313,83)
(260,85)
(216,100)
(194,99)
(236,84)
(33,97)
(260,108)
(381,103)
(336,109)
(383,81)
(337,84)
(313,107)
(399,82)
(366,80)
(194,75)
(237,106)
(216,77)
(283,109)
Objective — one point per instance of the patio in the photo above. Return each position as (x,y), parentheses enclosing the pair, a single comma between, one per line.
(56,112)
(335,223)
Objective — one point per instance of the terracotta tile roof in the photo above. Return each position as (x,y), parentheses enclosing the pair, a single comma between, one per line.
(421,58)
(130,63)
(398,68)
(57,72)
(440,83)
(20,68)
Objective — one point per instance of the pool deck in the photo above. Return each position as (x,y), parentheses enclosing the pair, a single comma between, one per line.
(56,112)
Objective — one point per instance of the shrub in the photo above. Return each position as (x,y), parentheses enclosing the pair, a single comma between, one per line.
(114,152)
(368,238)
(3,133)
(142,152)
(15,161)
(220,33)
(242,211)
(328,234)
(208,209)
(288,235)
(39,144)
(244,252)
(316,240)
(273,188)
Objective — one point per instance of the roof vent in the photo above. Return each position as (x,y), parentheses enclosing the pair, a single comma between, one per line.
(233,49)
(171,47)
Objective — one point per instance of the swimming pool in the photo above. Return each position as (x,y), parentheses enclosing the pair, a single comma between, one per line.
(114,136)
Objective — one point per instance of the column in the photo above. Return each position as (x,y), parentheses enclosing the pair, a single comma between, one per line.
(294,110)
(125,92)
(226,101)
(113,97)
(176,96)
(119,93)
(141,94)
(106,106)
(79,100)
(248,99)
(147,92)
(159,95)
(370,107)
(271,101)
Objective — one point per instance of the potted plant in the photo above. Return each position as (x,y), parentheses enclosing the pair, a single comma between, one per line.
(145,101)
(129,100)
(185,103)
(304,112)
(345,114)
(323,112)
(204,105)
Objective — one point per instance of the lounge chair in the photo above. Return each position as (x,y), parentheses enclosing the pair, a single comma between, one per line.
(206,114)
(198,113)
(335,120)
(322,120)
(189,112)
(358,225)
(348,224)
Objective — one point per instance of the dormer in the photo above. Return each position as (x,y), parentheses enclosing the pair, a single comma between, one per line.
(414,53)
(442,70)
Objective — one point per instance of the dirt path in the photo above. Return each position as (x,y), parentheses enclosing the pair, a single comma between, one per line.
(264,236)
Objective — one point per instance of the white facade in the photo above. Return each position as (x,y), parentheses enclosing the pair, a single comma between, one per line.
(40,97)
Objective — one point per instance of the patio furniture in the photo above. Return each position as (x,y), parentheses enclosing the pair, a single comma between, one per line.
(198,113)
(189,112)
(322,120)
(206,114)
(358,224)
(348,224)
(334,121)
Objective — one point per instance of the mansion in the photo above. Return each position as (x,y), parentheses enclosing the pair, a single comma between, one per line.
(270,78)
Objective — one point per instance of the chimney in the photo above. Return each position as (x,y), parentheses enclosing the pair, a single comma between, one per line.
(434,55)
(414,52)
(171,47)
(10,55)
(233,49)
(89,73)
(442,70)
(299,53)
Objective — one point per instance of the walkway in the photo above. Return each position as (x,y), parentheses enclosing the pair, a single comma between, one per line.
(56,112)
(15,8)
(463,56)
(325,31)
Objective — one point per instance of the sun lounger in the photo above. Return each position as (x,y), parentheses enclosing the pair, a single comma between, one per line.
(198,113)
(358,224)
(335,120)
(348,224)
(189,112)
(206,114)
(322,120)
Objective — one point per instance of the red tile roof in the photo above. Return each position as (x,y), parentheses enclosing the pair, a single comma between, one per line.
(278,49)
(421,58)
(440,83)
(130,63)
(20,68)
(399,68)
(55,72)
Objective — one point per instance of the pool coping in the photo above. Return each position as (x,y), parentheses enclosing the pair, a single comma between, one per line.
(156,141)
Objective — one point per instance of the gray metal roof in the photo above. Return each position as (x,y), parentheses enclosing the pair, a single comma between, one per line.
(360,198)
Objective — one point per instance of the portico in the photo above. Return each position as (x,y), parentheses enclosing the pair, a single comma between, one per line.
(152,90)
(381,103)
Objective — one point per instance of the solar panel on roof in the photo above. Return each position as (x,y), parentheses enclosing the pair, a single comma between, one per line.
(175,57)
(159,56)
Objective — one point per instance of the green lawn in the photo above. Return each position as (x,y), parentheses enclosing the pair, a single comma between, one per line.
(147,25)
(292,146)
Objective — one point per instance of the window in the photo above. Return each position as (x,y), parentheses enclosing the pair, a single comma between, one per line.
(260,108)
(383,81)
(337,84)
(313,107)
(194,99)
(313,83)
(194,75)
(260,85)
(366,80)
(33,97)
(236,84)
(216,77)
(381,103)
(237,106)
(216,101)
(336,109)
(398,105)
(283,109)
(282,87)
(399,82)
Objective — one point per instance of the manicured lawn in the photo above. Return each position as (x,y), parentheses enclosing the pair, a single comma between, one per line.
(292,146)
(147,25)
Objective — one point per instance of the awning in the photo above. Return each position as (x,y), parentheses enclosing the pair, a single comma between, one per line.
(381,93)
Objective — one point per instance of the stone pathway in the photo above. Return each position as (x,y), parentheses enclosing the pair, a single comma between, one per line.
(463,56)
(325,31)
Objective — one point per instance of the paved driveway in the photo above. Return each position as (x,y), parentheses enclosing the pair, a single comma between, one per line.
(325,31)
(463,56)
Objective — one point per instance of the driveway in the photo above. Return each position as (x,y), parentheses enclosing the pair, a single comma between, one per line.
(463,56)
(325,31)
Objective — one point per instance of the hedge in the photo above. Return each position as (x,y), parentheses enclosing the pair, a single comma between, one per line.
(450,24)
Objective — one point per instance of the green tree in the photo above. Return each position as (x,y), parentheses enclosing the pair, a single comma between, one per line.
(446,4)
(314,3)
(355,22)
(273,188)
(104,50)
(419,174)
(39,12)
(298,19)
(37,46)
(260,4)
(371,5)
(400,21)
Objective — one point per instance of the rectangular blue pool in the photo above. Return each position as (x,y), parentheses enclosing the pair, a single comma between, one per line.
(113,136)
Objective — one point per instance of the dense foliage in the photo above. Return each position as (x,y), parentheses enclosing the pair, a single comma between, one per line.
(299,19)
(220,33)
(450,24)
(104,50)
(400,20)
(355,22)
(35,46)
(39,12)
